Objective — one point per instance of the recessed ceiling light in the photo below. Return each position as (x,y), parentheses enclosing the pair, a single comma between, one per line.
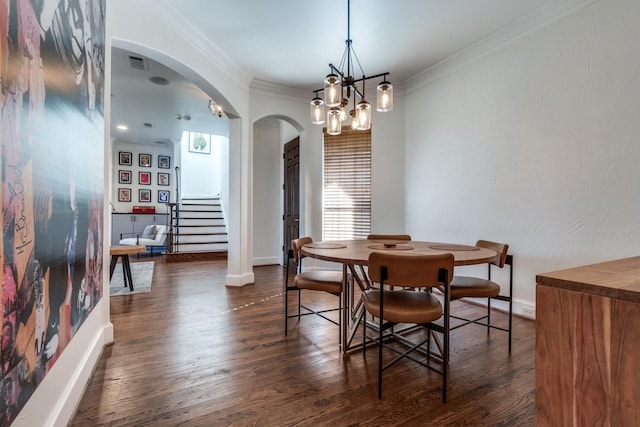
(159,80)
(122,127)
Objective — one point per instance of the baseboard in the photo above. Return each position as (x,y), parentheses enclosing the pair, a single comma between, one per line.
(521,308)
(195,256)
(55,401)
(266,261)
(239,280)
(72,394)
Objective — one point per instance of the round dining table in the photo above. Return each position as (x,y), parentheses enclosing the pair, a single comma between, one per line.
(351,253)
(356,252)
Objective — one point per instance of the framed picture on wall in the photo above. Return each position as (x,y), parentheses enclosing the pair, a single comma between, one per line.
(199,143)
(144,196)
(124,177)
(163,196)
(144,178)
(164,162)
(124,194)
(144,160)
(163,178)
(124,158)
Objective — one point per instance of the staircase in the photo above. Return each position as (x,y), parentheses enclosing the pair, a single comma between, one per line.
(198,230)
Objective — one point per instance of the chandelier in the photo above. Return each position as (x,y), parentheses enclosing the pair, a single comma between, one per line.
(340,85)
(215,109)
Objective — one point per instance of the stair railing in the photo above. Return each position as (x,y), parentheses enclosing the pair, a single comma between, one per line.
(178,195)
(174,228)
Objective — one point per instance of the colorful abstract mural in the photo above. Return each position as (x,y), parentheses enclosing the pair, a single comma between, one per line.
(52,129)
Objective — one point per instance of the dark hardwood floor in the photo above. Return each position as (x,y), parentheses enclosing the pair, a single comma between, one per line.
(194,352)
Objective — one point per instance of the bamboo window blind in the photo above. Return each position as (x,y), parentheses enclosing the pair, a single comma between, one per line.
(347,185)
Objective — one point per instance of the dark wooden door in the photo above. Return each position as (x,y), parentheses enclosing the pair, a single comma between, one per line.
(291,215)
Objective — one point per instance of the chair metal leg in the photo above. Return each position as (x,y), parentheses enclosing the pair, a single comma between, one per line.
(380,359)
(443,277)
(286,292)
(340,317)
(364,334)
(286,312)
(488,316)
(510,321)
(510,263)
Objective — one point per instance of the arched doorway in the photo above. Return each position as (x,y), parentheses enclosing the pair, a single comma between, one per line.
(182,104)
(270,136)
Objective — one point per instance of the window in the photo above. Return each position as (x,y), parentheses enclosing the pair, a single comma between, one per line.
(347,185)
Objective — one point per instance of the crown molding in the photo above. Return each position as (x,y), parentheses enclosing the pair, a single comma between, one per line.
(546,15)
(168,13)
(264,87)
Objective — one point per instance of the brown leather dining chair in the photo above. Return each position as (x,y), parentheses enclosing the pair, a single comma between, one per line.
(409,305)
(478,287)
(383,238)
(314,280)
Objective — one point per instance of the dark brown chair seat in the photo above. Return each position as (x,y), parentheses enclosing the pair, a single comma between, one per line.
(404,306)
(327,281)
(473,287)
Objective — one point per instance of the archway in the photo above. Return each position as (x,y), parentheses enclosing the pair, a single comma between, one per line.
(269,135)
(233,133)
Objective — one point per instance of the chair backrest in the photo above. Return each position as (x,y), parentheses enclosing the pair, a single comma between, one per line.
(403,237)
(296,244)
(500,248)
(410,270)
(161,233)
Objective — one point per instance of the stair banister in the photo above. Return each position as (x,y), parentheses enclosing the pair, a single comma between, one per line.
(178,195)
(175,220)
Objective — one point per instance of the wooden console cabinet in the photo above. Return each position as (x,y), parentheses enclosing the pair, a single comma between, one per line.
(588,345)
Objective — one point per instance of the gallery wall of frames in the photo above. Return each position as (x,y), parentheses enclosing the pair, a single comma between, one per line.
(52,126)
(143,175)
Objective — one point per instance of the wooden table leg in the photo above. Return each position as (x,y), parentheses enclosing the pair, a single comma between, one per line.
(114,260)
(126,271)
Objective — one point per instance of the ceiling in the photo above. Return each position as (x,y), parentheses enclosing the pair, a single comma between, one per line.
(291,43)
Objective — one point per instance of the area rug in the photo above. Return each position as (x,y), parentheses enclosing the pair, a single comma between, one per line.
(141,272)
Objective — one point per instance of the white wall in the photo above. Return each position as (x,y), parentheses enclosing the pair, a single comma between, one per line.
(388,169)
(535,144)
(287,133)
(224,176)
(267,189)
(201,173)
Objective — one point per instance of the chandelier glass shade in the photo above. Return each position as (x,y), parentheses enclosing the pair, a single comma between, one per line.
(340,85)
(334,121)
(385,96)
(363,111)
(332,90)
(317,110)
